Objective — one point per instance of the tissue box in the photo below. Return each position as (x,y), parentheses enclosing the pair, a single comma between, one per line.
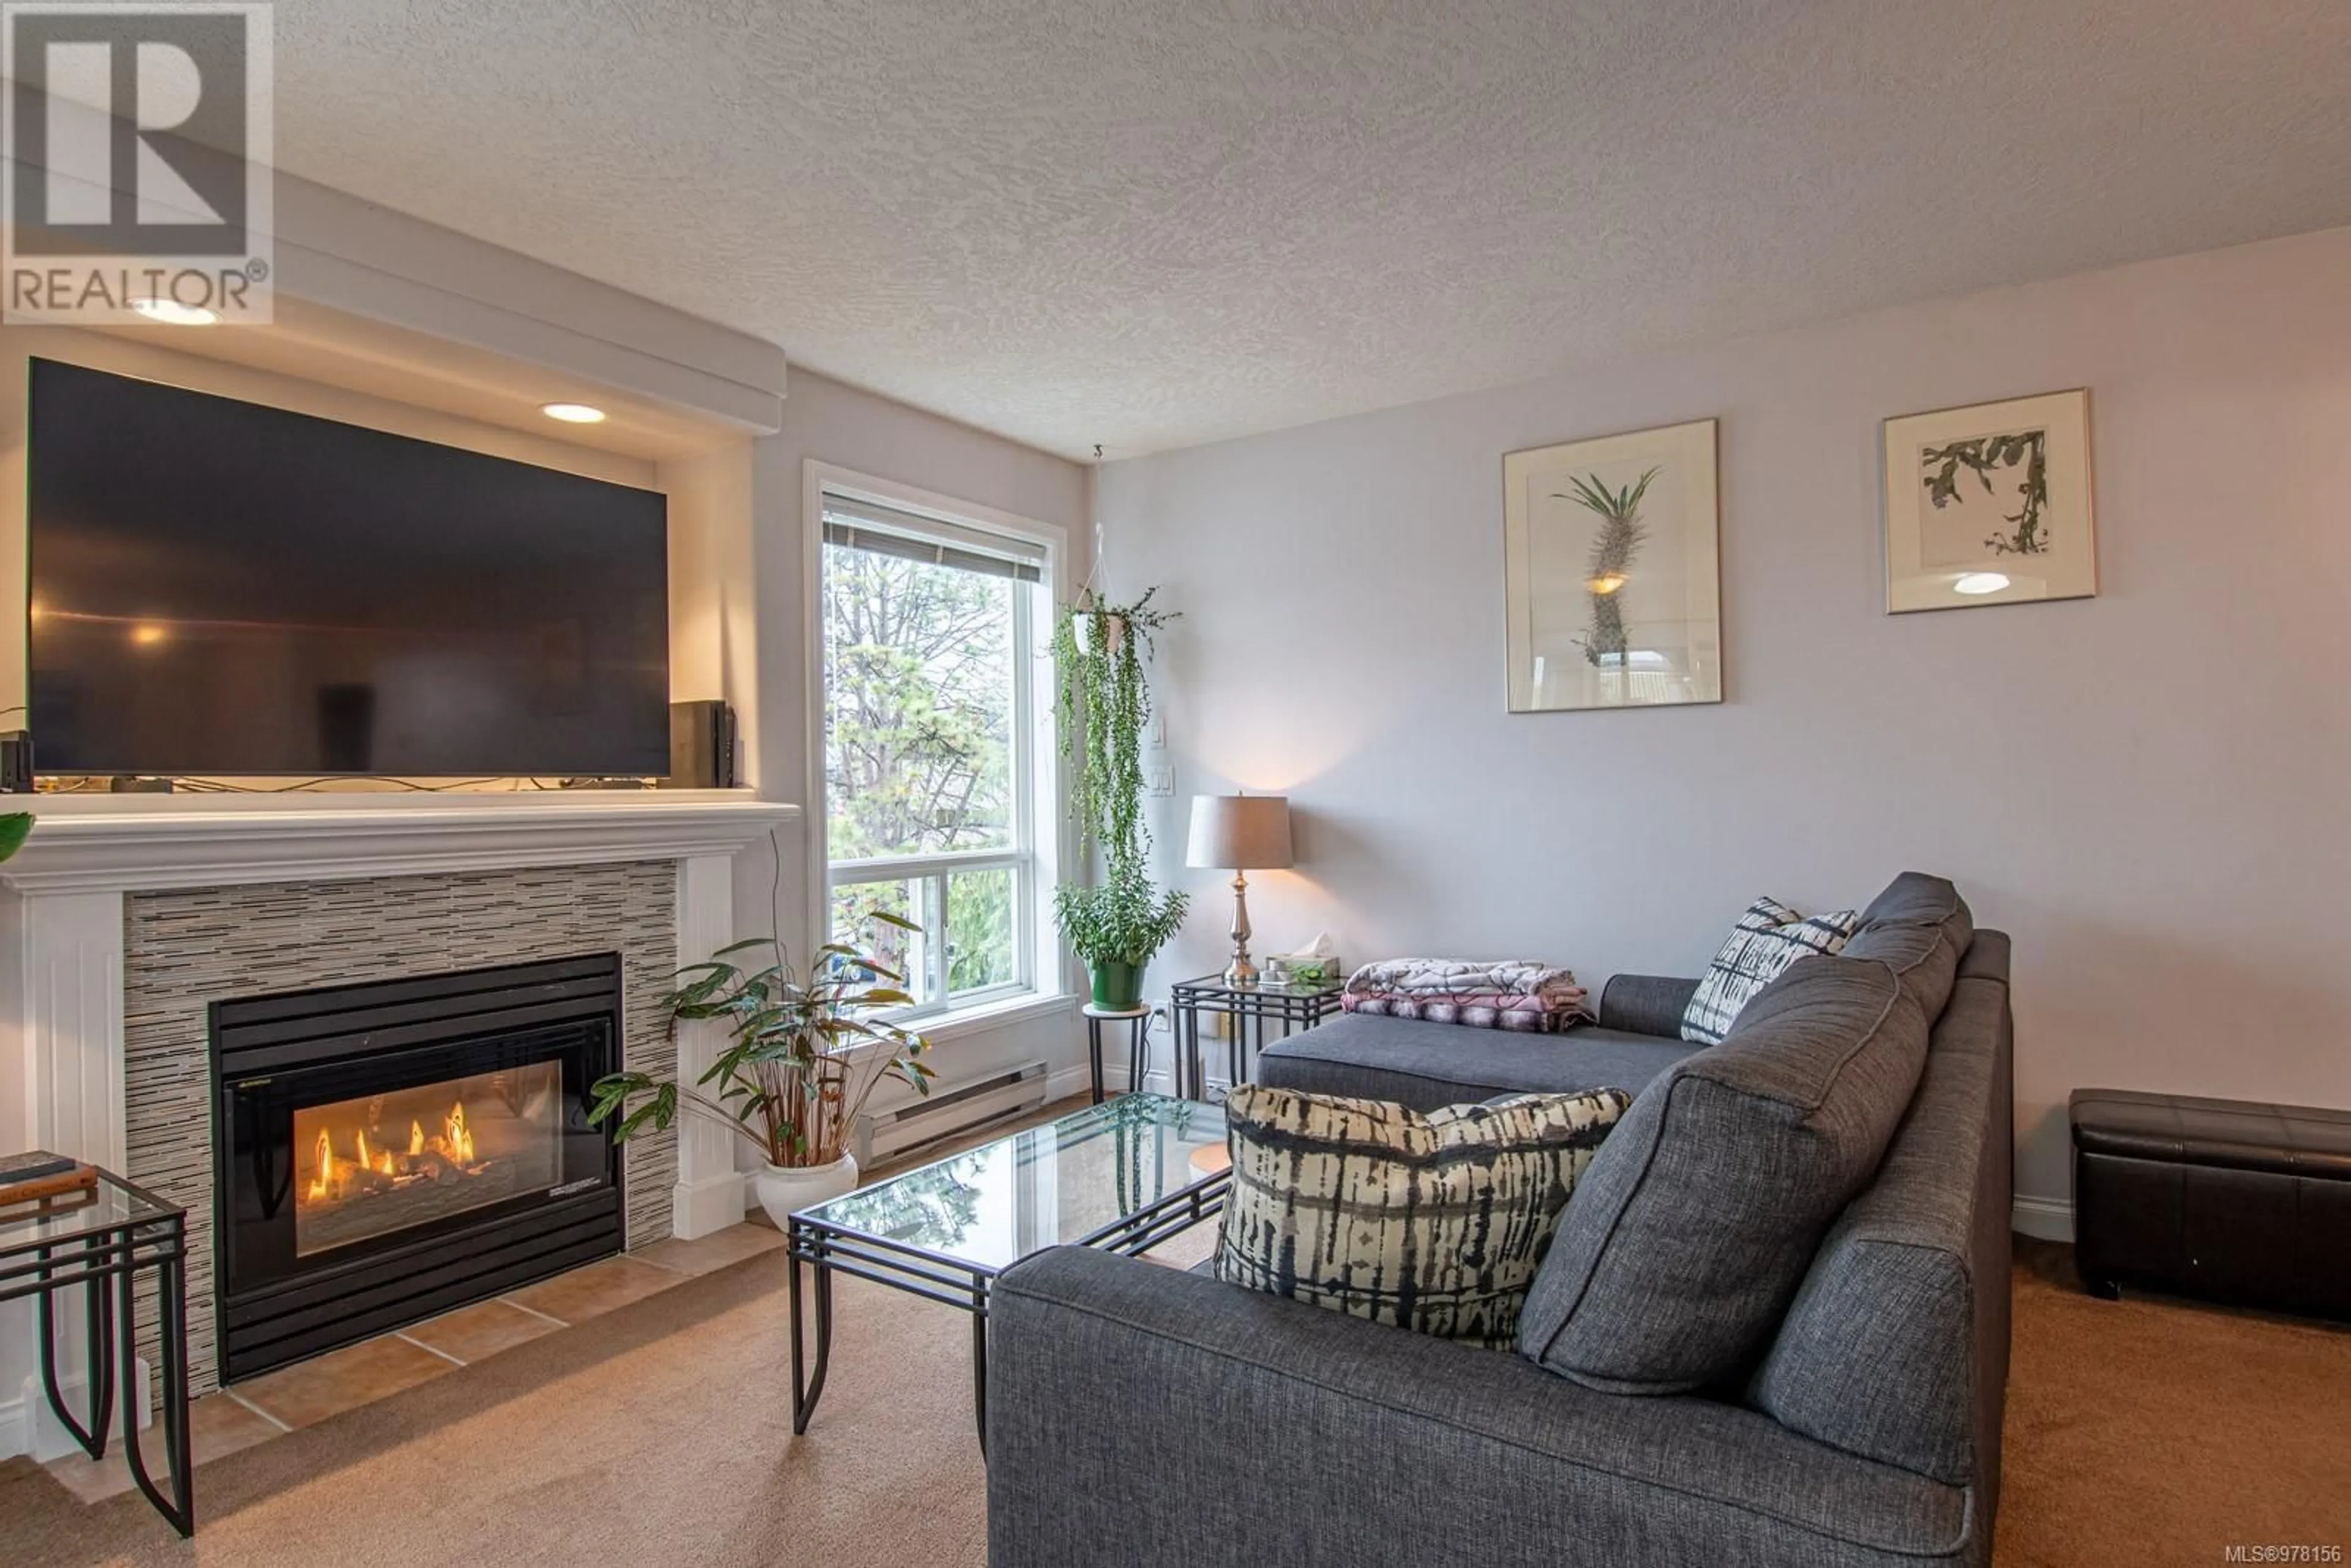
(1310,971)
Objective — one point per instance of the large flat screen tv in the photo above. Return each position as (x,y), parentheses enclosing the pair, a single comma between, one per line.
(222,589)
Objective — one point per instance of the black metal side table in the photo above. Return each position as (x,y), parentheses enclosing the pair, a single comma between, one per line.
(1259,1003)
(1138,1044)
(101,1241)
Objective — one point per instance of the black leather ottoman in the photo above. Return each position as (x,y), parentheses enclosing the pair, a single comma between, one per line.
(2217,1198)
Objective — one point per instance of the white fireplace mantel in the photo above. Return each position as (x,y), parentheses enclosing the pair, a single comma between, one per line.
(124,843)
(64,941)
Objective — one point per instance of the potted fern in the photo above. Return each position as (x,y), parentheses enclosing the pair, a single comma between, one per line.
(802,1059)
(1103,704)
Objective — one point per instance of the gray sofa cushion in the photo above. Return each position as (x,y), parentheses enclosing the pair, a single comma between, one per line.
(1690,1235)
(1140,1415)
(1429,1065)
(1917,927)
(1878,1354)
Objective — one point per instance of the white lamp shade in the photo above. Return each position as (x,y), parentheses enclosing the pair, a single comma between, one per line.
(1240,833)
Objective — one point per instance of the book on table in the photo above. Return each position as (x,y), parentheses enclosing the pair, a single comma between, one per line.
(39,1175)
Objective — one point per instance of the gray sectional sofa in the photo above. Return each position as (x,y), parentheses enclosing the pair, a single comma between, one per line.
(1772,1328)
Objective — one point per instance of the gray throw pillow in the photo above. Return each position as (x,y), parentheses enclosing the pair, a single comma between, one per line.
(1688,1236)
(1429,1222)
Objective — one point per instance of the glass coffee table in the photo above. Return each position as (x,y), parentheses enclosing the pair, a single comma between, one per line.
(1125,1175)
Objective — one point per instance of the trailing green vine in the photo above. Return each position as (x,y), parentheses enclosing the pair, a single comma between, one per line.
(1102,703)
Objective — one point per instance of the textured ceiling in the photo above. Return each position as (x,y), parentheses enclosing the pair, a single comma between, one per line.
(1149,225)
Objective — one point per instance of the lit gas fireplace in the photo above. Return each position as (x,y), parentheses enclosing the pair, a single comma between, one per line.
(414,1156)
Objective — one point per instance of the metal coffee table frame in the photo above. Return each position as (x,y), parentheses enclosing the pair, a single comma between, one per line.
(951,1281)
(106,1262)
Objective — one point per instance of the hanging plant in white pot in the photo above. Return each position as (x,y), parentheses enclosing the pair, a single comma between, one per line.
(800,1065)
(1103,704)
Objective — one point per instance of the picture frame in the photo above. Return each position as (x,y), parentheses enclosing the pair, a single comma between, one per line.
(1990,504)
(1613,572)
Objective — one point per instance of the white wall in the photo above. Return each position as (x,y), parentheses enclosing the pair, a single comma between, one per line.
(830,423)
(2146,789)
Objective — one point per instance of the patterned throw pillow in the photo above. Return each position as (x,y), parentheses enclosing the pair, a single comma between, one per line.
(1431,1222)
(1768,938)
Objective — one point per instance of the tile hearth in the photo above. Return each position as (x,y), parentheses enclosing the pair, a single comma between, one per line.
(309,1392)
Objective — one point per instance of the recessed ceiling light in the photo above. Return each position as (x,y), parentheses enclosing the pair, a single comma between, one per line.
(172,313)
(573,412)
(147,634)
(1980,582)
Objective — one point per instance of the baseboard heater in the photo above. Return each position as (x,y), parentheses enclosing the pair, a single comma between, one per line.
(950,1108)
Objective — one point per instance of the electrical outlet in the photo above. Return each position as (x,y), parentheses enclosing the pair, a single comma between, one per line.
(1159,780)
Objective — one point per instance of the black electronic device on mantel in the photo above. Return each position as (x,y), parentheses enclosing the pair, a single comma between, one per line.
(223,589)
(701,746)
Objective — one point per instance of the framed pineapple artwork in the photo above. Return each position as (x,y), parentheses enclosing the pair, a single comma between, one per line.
(1989,505)
(1612,562)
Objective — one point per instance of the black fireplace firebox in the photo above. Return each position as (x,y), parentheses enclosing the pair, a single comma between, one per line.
(388,1151)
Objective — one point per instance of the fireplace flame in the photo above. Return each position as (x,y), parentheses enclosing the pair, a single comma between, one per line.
(323,1183)
(459,1138)
(447,1156)
(379,1161)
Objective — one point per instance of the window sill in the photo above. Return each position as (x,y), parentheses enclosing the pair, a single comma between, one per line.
(999,1014)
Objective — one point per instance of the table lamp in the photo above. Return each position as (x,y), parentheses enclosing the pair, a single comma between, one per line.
(1244,833)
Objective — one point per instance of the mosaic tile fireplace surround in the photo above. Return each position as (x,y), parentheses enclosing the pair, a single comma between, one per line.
(185,950)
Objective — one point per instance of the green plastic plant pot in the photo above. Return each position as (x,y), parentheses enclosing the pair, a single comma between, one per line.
(1118,987)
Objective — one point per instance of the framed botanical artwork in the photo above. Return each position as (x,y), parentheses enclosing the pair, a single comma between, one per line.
(1989,505)
(1611,557)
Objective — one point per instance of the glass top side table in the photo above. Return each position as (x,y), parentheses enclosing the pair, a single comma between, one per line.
(1250,1008)
(99,1239)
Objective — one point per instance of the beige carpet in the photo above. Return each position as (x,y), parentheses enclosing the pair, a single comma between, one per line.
(2143,1433)
(2150,1431)
(660,1433)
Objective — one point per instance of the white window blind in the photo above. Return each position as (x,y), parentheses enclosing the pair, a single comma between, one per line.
(878,529)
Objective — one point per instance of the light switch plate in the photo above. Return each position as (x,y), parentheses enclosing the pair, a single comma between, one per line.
(1160,781)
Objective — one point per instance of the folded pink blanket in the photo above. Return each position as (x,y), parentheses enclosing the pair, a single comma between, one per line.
(1534,998)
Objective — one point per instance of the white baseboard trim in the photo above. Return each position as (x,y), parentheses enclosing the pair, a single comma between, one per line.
(2047,1219)
(1078,1079)
(706,1207)
(27,1426)
(16,1427)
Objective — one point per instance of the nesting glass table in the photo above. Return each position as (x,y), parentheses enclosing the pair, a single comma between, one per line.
(1250,1008)
(99,1241)
(1125,1175)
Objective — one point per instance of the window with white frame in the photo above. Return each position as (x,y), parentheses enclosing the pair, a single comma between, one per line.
(933,760)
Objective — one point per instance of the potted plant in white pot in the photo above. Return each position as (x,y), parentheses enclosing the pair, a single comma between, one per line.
(802,1061)
(1103,705)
